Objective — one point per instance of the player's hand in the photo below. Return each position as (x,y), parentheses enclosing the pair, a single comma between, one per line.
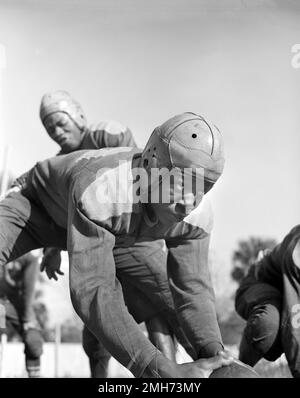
(7,277)
(210,364)
(202,368)
(227,355)
(51,263)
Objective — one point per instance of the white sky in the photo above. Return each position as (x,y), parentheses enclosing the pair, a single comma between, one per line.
(140,62)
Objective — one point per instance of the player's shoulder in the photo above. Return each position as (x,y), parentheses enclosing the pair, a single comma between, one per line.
(294,232)
(290,239)
(288,248)
(110,157)
(109,126)
(291,245)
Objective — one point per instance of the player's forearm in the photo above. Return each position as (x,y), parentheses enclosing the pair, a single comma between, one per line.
(197,316)
(193,295)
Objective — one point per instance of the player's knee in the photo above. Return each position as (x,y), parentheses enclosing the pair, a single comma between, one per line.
(93,348)
(263,326)
(33,343)
(81,300)
(89,345)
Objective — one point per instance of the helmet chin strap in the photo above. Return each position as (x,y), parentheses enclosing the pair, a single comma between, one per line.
(81,128)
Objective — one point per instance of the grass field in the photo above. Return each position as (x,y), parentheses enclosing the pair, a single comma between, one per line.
(70,361)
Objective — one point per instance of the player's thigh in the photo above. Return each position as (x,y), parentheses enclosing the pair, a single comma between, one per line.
(139,305)
(24,226)
(92,346)
(16,235)
(145,266)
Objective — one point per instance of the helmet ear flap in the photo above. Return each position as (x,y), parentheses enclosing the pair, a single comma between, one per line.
(150,158)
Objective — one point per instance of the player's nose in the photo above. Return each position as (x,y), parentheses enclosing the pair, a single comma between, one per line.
(58,132)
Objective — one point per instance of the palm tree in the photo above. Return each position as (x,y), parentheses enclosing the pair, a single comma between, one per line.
(246,254)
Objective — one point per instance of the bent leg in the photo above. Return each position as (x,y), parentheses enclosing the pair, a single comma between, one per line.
(161,336)
(32,337)
(156,320)
(142,268)
(25,227)
(33,342)
(260,304)
(261,337)
(97,354)
(143,311)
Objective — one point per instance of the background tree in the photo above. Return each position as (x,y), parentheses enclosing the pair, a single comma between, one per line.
(246,254)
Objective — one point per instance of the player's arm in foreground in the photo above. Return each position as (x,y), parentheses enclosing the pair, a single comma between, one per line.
(97,297)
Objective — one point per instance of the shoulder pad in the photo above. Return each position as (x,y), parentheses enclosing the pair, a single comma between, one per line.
(111,127)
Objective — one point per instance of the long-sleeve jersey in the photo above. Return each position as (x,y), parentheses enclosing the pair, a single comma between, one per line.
(106,134)
(95,189)
(276,277)
(279,262)
(101,183)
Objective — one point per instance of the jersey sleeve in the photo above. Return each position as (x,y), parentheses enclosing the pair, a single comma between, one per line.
(97,294)
(193,294)
(112,134)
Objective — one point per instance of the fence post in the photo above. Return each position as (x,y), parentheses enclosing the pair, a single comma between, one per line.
(56,349)
(2,68)
(2,349)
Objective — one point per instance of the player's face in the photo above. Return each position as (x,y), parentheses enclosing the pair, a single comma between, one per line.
(183,200)
(62,129)
(172,213)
